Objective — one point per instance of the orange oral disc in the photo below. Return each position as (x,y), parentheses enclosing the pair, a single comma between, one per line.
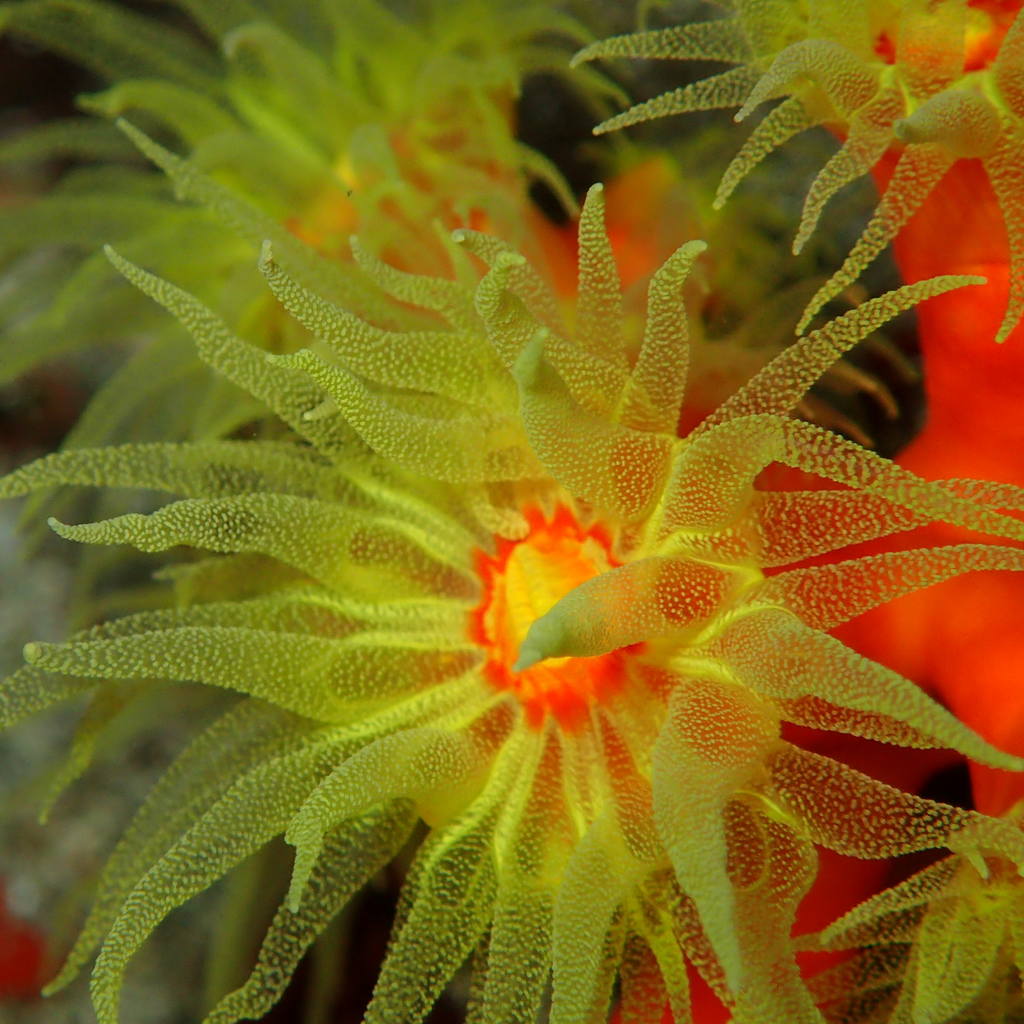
(521,581)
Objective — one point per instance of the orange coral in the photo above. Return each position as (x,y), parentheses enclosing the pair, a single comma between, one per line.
(936,83)
(521,581)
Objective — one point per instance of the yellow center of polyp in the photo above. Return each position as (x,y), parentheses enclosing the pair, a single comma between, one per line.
(521,581)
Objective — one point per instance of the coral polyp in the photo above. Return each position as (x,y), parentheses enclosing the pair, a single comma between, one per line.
(941,946)
(479,581)
(913,89)
(521,582)
(298,135)
(495,566)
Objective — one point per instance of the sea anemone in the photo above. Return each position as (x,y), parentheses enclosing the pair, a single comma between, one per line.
(479,581)
(944,945)
(302,125)
(301,135)
(939,83)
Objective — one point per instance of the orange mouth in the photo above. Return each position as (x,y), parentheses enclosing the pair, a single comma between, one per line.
(522,580)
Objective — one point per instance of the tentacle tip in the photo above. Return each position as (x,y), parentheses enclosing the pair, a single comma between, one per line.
(510,259)
(117,261)
(293,901)
(266,254)
(977,861)
(58,984)
(1006,328)
(306,854)
(529,655)
(805,321)
(32,651)
(735,974)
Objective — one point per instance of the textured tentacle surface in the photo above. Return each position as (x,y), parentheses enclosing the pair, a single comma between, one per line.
(887,77)
(596,696)
(463,581)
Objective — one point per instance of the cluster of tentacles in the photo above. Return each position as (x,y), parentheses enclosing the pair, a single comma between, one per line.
(479,579)
(939,82)
(592,726)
